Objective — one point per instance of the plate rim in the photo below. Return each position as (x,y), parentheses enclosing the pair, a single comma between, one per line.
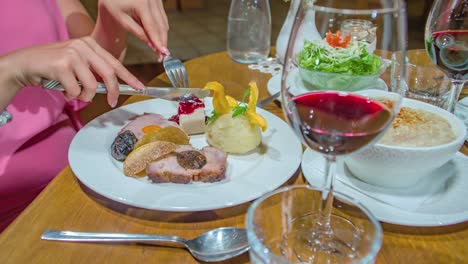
(296,152)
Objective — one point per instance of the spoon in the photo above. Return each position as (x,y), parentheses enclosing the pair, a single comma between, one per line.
(215,245)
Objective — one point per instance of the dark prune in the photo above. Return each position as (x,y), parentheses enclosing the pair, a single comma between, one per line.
(191,159)
(123,144)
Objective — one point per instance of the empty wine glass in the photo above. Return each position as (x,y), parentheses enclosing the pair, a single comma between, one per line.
(446,39)
(341,93)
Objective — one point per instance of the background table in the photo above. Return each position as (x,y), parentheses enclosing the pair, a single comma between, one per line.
(66,205)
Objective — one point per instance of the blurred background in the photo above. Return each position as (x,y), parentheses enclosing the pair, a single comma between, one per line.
(198,27)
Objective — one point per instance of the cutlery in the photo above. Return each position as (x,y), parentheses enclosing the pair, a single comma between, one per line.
(267,100)
(215,245)
(176,72)
(158,92)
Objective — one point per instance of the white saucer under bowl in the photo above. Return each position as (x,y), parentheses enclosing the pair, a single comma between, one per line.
(439,199)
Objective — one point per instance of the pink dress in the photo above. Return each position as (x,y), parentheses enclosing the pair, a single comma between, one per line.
(34,146)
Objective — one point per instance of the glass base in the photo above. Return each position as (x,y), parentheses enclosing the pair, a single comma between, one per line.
(310,243)
(247,57)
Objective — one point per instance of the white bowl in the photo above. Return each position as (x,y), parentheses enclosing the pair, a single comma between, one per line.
(340,81)
(399,167)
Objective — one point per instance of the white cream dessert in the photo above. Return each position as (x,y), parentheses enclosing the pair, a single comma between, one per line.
(190,115)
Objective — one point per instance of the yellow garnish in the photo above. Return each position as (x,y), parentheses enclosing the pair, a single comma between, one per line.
(256,119)
(150,128)
(224,104)
(220,103)
(251,114)
(253,96)
(231,101)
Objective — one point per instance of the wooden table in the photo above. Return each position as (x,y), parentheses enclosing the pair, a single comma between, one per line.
(66,205)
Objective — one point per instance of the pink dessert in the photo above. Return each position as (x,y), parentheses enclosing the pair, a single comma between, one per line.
(190,115)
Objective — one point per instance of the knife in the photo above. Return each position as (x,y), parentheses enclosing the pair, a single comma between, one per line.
(168,93)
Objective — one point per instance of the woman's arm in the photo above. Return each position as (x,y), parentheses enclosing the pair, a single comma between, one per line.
(107,32)
(67,62)
(146,19)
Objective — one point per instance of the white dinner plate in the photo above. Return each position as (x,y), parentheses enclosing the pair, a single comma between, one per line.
(247,176)
(300,87)
(445,206)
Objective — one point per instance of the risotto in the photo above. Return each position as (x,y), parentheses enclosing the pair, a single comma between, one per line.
(418,128)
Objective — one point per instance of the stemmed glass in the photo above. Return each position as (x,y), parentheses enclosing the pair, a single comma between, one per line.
(342,92)
(446,37)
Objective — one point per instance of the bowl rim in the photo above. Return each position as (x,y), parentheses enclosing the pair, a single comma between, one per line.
(450,117)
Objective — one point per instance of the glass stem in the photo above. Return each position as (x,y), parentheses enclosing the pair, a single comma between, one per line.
(455,91)
(327,193)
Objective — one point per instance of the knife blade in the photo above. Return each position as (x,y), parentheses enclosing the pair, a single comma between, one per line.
(167,93)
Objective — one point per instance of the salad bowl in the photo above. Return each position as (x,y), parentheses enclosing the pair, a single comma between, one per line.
(339,63)
(340,81)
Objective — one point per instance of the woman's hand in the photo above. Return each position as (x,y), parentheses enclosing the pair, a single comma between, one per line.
(146,19)
(67,62)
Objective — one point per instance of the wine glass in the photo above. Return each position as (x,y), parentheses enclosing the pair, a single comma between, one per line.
(446,37)
(340,93)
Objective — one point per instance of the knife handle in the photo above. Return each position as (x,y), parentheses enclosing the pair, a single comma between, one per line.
(101,89)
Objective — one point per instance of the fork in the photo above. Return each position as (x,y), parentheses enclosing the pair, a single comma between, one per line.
(176,72)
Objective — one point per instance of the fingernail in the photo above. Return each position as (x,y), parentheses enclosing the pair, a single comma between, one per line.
(114,103)
(160,57)
(140,85)
(165,51)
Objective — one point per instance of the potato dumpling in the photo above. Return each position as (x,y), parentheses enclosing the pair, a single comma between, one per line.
(233,134)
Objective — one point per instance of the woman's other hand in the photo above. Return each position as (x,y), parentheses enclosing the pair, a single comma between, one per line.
(146,19)
(68,62)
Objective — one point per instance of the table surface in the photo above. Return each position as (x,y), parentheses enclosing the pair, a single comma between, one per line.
(67,205)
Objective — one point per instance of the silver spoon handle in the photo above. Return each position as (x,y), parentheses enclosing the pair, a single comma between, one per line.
(71,236)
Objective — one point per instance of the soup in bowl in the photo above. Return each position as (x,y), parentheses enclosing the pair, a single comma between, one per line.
(421,139)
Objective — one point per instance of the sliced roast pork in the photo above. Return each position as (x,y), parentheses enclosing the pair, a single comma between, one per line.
(144,120)
(188,164)
(126,139)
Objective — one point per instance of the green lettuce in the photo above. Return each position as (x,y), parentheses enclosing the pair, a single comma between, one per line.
(353,60)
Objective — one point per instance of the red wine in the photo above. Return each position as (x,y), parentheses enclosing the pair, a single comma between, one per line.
(338,123)
(451,52)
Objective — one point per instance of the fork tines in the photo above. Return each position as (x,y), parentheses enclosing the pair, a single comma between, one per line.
(176,72)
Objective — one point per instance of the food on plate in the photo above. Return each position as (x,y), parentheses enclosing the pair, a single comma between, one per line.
(123,144)
(339,62)
(158,148)
(190,114)
(147,123)
(169,134)
(139,158)
(128,136)
(418,128)
(234,127)
(233,135)
(187,164)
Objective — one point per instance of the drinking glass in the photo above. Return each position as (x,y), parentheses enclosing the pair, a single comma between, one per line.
(249,30)
(337,94)
(446,39)
(278,224)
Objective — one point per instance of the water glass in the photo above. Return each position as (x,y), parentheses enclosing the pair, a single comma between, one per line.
(280,225)
(425,82)
(249,30)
